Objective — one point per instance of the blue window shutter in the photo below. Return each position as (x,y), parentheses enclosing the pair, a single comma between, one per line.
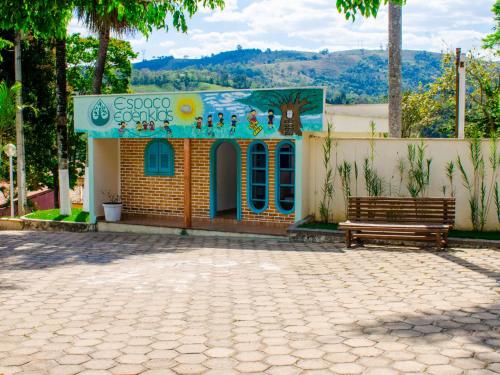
(164,158)
(151,159)
(159,159)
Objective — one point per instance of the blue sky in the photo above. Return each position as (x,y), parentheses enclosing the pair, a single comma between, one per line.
(312,25)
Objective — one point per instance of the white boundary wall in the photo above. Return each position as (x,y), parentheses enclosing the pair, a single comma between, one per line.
(387,154)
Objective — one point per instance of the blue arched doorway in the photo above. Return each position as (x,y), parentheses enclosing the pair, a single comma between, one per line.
(225,179)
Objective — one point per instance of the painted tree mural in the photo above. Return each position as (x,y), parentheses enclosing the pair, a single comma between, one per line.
(289,104)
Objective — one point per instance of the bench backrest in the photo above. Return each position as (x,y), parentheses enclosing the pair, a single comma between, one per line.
(402,210)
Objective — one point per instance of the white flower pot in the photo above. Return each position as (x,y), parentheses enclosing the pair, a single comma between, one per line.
(112,211)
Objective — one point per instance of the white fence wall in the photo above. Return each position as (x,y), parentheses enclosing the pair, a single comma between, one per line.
(387,153)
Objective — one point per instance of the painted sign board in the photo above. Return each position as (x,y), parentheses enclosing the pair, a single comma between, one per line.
(260,113)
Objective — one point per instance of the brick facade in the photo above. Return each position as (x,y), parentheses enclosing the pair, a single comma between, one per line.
(164,195)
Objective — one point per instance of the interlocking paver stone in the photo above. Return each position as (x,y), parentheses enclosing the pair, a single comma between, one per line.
(104,303)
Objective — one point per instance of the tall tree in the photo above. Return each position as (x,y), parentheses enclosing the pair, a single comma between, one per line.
(62,127)
(130,16)
(22,200)
(395,69)
(42,18)
(370,8)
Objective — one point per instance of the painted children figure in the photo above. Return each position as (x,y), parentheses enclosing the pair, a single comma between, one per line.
(270,118)
(220,124)
(254,123)
(145,125)
(210,125)
(199,122)
(166,126)
(138,126)
(233,124)
(252,119)
(123,125)
(151,125)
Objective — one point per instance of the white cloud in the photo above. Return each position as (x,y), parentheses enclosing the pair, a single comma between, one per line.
(167,43)
(316,24)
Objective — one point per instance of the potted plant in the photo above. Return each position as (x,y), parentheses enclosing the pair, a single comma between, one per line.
(112,207)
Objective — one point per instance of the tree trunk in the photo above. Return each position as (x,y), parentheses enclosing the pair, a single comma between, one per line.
(62,128)
(104,35)
(21,165)
(55,174)
(292,125)
(101,60)
(395,80)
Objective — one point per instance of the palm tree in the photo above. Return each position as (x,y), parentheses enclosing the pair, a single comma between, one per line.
(102,24)
(395,79)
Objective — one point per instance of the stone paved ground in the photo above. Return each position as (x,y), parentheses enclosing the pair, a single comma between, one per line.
(128,304)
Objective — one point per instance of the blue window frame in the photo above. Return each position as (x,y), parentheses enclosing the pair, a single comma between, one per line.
(285,177)
(257,176)
(159,158)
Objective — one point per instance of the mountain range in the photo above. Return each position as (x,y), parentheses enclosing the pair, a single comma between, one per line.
(354,76)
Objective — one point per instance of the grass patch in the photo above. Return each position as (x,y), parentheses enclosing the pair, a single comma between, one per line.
(77,215)
(317,225)
(476,235)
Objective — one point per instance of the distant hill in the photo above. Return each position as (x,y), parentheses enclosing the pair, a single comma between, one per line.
(355,76)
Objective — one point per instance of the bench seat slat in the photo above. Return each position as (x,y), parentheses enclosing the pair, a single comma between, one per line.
(386,226)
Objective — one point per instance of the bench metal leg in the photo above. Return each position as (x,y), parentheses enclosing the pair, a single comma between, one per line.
(348,238)
(440,240)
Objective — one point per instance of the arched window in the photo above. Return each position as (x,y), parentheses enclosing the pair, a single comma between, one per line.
(159,158)
(257,176)
(285,177)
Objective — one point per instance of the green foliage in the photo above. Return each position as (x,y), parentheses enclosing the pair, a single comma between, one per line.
(492,40)
(418,170)
(494,163)
(450,173)
(345,179)
(138,15)
(401,167)
(328,184)
(82,53)
(4,44)
(40,18)
(475,184)
(430,109)
(497,200)
(7,112)
(373,182)
(39,91)
(367,8)
(39,129)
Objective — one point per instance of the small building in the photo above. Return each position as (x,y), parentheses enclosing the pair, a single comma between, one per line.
(353,120)
(201,159)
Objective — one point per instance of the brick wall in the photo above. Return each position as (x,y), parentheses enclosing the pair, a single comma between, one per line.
(164,195)
(142,194)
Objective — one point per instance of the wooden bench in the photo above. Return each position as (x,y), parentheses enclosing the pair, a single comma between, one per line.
(415,219)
